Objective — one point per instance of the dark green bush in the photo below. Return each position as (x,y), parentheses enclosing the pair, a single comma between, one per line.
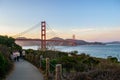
(7,45)
(5,66)
(112,59)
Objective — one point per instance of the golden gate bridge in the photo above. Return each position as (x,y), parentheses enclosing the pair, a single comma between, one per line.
(43,36)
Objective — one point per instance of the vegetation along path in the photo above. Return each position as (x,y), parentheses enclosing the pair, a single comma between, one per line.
(25,71)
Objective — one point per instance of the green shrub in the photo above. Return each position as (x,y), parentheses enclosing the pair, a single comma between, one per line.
(112,59)
(68,63)
(5,66)
(5,63)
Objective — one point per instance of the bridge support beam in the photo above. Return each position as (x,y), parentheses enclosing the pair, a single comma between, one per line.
(43,35)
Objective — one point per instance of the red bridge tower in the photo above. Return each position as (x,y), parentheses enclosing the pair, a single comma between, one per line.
(73,41)
(43,35)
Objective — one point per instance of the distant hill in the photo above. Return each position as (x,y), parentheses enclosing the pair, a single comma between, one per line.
(78,42)
(56,38)
(60,42)
(21,38)
(114,42)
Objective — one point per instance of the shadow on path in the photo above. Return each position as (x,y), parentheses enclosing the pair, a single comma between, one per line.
(25,71)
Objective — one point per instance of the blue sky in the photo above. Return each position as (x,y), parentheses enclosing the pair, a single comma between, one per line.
(87,19)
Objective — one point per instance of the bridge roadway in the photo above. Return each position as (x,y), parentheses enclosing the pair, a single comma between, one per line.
(24,70)
(40,40)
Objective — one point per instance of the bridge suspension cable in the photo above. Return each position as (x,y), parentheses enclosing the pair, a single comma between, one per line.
(44,42)
(26,31)
(51,45)
(49,28)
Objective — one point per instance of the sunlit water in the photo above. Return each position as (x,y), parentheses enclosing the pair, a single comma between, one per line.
(102,51)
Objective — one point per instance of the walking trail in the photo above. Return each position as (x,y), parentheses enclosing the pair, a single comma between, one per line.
(25,71)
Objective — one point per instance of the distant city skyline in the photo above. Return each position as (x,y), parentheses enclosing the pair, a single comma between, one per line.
(89,20)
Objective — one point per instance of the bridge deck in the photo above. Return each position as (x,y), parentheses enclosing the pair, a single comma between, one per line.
(25,71)
(41,40)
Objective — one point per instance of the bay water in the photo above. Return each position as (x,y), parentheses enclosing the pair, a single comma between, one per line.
(101,51)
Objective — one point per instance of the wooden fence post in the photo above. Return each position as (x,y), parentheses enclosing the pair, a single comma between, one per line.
(47,68)
(40,61)
(58,72)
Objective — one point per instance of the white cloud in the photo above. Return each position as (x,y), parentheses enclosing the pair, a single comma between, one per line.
(83,30)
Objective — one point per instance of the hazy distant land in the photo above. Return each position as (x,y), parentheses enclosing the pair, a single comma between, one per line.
(67,42)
